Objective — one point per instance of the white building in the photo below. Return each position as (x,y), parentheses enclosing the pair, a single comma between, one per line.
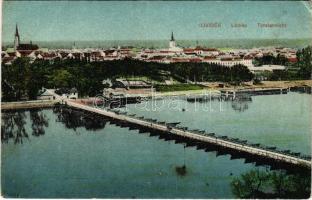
(173,46)
(45,95)
(67,93)
(268,68)
(230,63)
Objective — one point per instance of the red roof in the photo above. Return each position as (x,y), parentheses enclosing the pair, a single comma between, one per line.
(293,59)
(209,58)
(188,49)
(163,51)
(48,55)
(25,52)
(8,59)
(205,49)
(195,60)
(248,57)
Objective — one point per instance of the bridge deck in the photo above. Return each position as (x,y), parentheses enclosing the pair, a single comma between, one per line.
(196,135)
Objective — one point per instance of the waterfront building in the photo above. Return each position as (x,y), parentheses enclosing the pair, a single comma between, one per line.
(67,93)
(45,95)
(122,83)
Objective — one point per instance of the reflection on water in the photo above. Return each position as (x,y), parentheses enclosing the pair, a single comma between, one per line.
(73,118)
(241,103)
(181,170)
(13,122)
(240,106)
(13,125)
(39,121)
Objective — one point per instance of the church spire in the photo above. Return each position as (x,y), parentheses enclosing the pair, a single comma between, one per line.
(172,37)
(172,43)
(16,31)
(16,38)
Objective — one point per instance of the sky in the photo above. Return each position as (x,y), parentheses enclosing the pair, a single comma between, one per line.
(152,20)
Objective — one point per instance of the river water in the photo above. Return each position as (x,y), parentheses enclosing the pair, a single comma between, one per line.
(98,159)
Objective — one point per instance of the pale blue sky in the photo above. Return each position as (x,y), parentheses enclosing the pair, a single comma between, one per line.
(146,20)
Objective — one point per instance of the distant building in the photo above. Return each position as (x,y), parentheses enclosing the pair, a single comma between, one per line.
(67,93)
(229,62)
(45,95)
(172,43)
(268,68)
(23,50)
(121,83)
(173,46)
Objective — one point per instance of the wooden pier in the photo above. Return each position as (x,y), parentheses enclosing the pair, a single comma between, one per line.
(230,93)
(28,104)
(201,137)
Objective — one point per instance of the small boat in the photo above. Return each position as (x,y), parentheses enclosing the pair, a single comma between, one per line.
(271,148)
(173,123)
(210,134)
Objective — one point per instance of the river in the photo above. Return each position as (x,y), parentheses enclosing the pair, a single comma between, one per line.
(57,156)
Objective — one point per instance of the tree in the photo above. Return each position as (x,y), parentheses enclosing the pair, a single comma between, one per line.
(17,76)
(304,62)
(62,78)
(249,184)
(272,184)
(240,73)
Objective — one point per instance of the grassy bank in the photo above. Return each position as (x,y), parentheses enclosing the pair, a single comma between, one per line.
(177,87)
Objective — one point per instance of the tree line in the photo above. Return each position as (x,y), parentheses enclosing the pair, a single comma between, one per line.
(302,69)
(23,79)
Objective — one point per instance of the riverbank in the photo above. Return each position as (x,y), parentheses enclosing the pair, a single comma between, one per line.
(263,84)
(215,87)
(212,88)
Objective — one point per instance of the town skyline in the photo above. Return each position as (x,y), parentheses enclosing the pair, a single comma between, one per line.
(154,21)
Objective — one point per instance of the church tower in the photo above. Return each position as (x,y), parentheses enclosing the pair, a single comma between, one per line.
(172,43)
(16,39)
